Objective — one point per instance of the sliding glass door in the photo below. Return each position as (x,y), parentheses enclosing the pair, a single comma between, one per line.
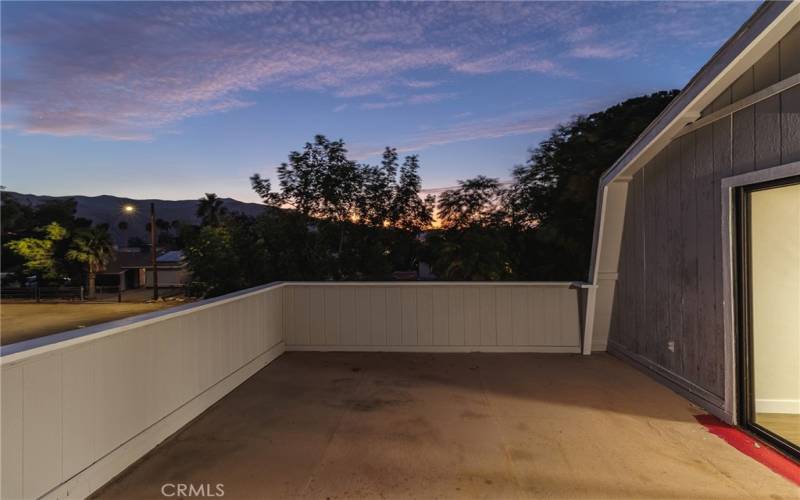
(769,311)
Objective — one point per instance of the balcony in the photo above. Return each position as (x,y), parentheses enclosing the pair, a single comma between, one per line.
(484,396)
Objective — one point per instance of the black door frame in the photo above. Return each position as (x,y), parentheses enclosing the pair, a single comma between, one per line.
(744,324)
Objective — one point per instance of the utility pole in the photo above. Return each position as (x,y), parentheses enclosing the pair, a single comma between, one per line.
(153,249)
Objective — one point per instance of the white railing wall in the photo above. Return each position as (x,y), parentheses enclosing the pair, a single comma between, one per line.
(77,412)
(433,316)
(79,407)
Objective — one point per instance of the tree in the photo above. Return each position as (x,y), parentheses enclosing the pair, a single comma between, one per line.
(14,215)
(409,211)
(475,202)
(209,209)
(263,188)
(92,247)
(214,259)
(40,253)
(555,191)
(318,181)
(378,189)
(61,211)
(473,253)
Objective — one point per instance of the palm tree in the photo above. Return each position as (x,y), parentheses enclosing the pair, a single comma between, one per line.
(91,246)
(210,208)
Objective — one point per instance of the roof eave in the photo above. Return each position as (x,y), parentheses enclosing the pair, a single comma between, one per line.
(719,71)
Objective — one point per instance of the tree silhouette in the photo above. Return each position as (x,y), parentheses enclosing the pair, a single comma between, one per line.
(475,201)
(92,247)
(556,190)
(409,211)
(209,209)
(378,189)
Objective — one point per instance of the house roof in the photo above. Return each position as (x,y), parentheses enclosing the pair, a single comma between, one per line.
(174,256)
(727,64)
(127,260)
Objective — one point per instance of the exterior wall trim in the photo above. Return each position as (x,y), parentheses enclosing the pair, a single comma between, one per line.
(437,348)
(691,391)
(745,102)
(728,186)
(13,353)
(765,28)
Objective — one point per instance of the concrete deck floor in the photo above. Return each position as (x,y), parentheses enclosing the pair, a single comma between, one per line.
(379,425)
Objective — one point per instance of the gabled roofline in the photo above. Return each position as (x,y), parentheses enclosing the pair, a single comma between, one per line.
(768,24)
(694,97)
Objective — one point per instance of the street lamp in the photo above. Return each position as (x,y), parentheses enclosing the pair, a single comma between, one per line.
(130,209)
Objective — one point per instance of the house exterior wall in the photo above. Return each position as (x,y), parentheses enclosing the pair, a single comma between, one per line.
(668,309)
(168,277)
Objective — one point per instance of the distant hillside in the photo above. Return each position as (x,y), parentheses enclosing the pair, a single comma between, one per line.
(108,209)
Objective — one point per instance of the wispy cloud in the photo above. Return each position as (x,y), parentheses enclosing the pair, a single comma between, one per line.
(381,105)
(591,51)
(411,100)
(511,124)
(522,59)
(422,84)
(128,70)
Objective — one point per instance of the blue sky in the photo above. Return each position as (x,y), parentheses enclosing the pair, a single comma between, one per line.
(171,100)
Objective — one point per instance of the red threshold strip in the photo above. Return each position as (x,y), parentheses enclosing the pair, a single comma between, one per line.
(752,447)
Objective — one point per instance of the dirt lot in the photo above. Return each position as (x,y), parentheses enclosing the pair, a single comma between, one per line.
(23,321)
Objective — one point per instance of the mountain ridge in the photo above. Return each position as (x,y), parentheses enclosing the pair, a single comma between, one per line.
(107,209)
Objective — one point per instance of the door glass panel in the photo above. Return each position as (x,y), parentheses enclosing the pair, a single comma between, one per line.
(775,309)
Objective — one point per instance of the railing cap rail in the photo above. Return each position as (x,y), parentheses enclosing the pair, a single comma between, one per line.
(18,351)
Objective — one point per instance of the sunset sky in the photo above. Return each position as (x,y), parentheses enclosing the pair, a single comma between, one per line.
(171,100)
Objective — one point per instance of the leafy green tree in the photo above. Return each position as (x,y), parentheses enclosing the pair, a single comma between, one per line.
(475,202)
(92,247)
(214,259)
(210,209)
(39,254)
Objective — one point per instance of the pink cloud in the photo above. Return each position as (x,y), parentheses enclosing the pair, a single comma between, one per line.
(128,70)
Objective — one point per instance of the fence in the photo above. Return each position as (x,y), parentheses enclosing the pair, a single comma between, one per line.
(39,293)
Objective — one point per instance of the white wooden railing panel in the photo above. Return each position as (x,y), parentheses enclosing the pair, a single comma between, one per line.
(77,408)
(77,412)
(437,316)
